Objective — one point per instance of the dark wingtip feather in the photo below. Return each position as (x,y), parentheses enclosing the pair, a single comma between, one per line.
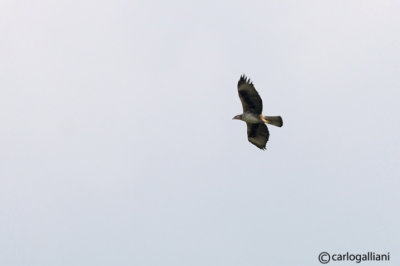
(263,148)
(243,79)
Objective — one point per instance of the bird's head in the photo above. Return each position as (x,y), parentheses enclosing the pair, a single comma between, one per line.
(238,117)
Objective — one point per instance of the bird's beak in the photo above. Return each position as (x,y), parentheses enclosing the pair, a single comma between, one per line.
(235,117)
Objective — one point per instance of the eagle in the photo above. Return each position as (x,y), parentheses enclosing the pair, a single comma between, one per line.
(257,131)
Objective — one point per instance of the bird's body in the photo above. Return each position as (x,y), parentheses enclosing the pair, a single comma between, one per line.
(251,118)
(257,131)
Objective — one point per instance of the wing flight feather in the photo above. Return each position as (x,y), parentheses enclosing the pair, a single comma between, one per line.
(251,100)
(258,134)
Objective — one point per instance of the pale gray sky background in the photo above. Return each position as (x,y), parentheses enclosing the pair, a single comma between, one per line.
(117,145)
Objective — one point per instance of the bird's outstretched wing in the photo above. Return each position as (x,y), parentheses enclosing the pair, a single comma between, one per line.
(249,97)
(258,134)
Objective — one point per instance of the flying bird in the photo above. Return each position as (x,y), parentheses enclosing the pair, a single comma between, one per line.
(257,131)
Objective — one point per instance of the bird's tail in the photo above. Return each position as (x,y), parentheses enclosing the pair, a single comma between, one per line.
(273,120)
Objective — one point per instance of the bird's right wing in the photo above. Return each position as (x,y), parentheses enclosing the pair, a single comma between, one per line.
(258,134)
(251,100)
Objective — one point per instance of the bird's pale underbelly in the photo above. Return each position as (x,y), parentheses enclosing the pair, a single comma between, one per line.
(251,118)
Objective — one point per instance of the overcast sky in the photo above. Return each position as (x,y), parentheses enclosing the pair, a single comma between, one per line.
(117,144)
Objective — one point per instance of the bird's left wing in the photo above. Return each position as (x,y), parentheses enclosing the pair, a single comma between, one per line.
(258,134)
(251,100)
